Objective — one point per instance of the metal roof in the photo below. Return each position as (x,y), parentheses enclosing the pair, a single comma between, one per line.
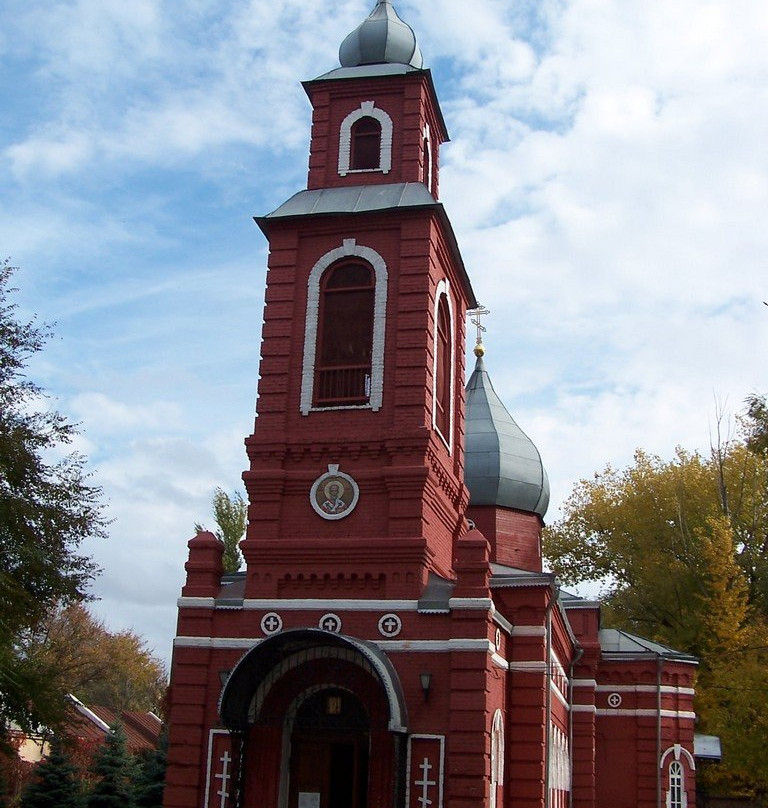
(616,641)
(381,38)
(707,747)
(355,199)
(502,465)
(367,71)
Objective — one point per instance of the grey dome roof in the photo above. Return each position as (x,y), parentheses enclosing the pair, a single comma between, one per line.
(382,38)
(502,466)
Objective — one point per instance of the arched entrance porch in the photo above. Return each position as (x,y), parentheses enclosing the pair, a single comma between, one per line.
(319,721)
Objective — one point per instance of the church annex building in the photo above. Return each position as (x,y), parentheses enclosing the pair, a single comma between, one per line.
(394,641)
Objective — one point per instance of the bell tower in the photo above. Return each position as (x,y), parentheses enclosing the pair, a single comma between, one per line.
(394,641)
(356,458)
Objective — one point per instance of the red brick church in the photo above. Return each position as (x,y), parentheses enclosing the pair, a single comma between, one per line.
(394,641)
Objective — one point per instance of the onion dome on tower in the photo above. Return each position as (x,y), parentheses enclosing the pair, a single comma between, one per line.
(382,38)
(502,465)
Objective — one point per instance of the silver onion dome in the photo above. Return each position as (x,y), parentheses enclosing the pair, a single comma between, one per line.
(382,38)
(502,465)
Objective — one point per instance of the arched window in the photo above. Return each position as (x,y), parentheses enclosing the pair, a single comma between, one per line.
(676,796)
(442,392)
(365,144)
(365,140)
(344,331)
(497,757)
(345,336)
(443,368)
(426,160)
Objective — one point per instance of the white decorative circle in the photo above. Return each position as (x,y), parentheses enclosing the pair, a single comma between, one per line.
(271,623)
(334,494)
(497,639)
(390,625)
(614,700)
(330,622)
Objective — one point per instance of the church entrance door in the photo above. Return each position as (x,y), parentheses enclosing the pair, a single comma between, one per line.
(328,765)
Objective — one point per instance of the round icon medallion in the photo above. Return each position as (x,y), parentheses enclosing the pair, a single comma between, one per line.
(334,494)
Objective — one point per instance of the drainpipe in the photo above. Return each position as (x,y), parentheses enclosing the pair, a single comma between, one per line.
(658,730)
(548,667)
(574,662)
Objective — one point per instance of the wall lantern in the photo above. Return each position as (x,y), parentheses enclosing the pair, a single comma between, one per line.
(426,682)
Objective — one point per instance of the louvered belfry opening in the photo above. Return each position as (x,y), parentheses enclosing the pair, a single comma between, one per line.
(345,336)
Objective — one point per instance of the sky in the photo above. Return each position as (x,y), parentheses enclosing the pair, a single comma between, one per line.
(607,179)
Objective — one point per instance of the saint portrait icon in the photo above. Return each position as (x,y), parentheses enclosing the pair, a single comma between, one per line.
(334,494)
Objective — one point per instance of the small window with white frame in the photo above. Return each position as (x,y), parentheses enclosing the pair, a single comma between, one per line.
(365,141)
(678,756)
(676,796)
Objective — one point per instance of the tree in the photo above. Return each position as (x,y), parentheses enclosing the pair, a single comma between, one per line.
(231,515)
(756,423)
(114,670)
(55,783)
(47,508)
(114,770)
(679,548)
(150,782)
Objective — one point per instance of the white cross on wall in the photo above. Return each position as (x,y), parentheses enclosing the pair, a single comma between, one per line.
(390,625)
(271,623)
(223,792)
(425,783)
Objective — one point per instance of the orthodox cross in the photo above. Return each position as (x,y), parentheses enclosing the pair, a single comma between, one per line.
(225,776)
(474,318)
(425,784)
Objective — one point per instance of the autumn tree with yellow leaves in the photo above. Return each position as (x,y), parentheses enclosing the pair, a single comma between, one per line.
(680,550)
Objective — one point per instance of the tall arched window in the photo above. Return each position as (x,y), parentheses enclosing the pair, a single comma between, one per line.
(365,144)
(350,290)
(497,758)
(443,368)
(676,796)
(345,336)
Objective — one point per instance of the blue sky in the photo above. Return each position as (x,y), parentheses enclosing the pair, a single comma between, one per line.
(607,179)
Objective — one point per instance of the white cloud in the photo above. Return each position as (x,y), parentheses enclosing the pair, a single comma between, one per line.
(103,414)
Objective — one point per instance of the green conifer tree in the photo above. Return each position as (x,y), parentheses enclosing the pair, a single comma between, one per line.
(114,772)
(150,781)
(55,783)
